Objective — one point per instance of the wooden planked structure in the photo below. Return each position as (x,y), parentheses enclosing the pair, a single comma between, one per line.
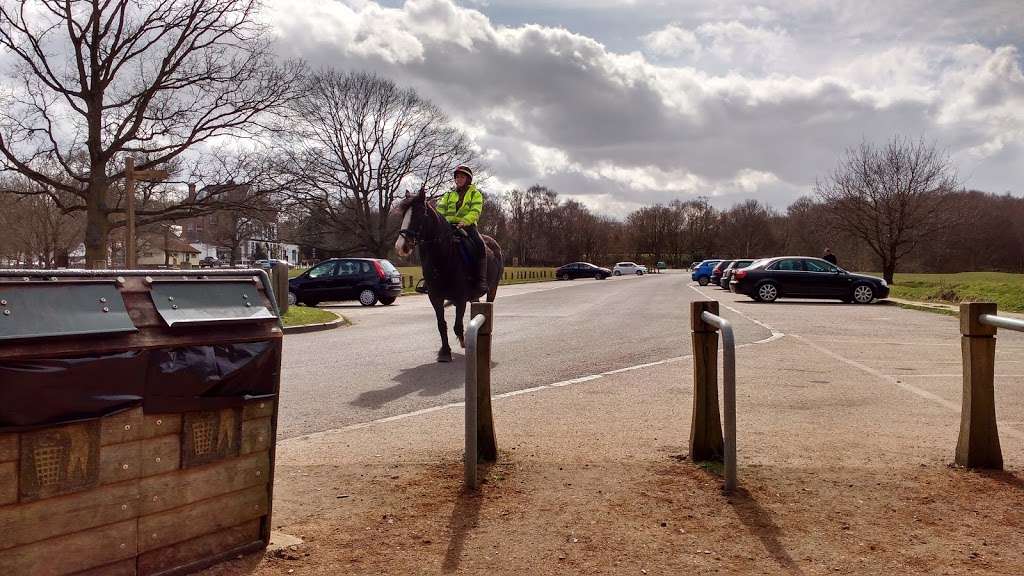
(136,492)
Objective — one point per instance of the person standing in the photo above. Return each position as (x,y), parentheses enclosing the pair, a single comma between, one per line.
(829,257)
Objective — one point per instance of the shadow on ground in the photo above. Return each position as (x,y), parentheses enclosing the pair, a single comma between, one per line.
(431,379)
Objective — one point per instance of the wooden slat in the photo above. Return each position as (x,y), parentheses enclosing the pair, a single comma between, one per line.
(74,552)
(120,462)
(8,447)
(25,523)
(206,517)
(167,491)
(258,409)
(8,483)
(122,427)
(206,546)
(154,425)
(162,454)
(122,568)
(255,435)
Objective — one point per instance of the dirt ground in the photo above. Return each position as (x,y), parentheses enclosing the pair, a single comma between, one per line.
(841,472)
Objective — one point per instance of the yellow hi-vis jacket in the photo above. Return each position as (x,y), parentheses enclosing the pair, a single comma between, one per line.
(468,212)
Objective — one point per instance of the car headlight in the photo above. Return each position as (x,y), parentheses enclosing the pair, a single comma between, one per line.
(884,283)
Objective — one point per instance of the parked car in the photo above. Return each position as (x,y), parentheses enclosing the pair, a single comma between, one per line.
(628,268)
(581,270)
(716,273)
(803,277)
(368,280)
(728,272)
(268,263)
(210,262)
(702,272)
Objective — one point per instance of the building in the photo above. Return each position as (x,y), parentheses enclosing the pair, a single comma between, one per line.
(165,249)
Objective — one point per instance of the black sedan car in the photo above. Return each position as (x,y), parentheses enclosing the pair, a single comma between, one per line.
(802,277)
(368,280)
(582,270)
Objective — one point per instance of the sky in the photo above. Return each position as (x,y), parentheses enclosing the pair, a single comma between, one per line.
(622,104)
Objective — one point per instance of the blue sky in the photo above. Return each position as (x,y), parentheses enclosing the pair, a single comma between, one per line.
(622,104)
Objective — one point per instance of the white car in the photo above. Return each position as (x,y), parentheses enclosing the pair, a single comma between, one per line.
(629,268)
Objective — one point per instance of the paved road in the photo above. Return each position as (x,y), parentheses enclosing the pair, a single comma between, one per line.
(383,365)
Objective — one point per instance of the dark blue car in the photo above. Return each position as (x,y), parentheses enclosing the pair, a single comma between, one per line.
(702,272)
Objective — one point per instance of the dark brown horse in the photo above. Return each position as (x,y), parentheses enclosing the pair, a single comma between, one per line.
(447,274)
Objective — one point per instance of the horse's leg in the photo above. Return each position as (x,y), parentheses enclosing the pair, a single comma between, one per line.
(460,311)
(445,353)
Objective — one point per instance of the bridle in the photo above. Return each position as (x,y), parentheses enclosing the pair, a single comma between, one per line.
(414,235)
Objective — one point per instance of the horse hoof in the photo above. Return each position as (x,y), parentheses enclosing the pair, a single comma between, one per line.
(444,356)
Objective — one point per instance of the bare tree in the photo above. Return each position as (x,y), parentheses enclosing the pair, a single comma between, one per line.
(359,143)
(892,198)
(93,81)
(34,228)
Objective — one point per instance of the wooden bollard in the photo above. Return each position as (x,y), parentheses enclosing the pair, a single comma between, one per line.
(978,445)
(487,446)
(706,426)
(279,280)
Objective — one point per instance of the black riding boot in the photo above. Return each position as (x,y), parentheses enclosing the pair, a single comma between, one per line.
(481,278)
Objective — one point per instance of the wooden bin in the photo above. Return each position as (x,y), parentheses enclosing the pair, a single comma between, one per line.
(159,484)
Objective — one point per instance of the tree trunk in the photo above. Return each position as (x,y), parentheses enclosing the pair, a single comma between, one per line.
(97,225)
(888,270)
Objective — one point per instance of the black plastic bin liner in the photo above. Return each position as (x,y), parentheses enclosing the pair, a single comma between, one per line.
(210,377)
(60,390)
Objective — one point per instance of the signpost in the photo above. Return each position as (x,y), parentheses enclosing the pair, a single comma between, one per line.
(131,175)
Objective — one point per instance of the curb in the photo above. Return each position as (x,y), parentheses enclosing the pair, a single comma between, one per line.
(304,328)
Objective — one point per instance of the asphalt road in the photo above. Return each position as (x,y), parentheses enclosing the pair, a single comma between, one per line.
(384,364)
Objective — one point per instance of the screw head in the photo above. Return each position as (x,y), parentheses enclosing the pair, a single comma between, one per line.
(245,296)
(124,466)
(3,302)
(103,300)
(174,306)
(106,309)
(159,421)
(157,459)
(127,426)
(248,304)
(7,312)
(170,298)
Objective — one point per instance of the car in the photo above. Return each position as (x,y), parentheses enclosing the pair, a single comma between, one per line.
(728,271)
(702,271)
(210,262)
(368,280)
(268,263)
(806,277)
(628,268)
(716,273)
(575,270)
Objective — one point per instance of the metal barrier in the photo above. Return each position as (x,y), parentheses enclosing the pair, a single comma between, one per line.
(978,443)
(706,438)
(480,441)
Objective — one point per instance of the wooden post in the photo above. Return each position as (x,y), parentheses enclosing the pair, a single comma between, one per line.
(978,445)
(279,280)
(487,446)
(706,425)
(130,257)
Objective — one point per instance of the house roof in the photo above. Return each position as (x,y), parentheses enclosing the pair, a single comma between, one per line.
(173,243)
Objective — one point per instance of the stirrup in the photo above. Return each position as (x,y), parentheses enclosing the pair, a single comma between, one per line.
(421,287)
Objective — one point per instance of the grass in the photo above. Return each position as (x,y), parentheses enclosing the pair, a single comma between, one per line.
(302,315)
(1006,290)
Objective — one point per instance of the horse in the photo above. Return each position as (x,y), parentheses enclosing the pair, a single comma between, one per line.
(445,270)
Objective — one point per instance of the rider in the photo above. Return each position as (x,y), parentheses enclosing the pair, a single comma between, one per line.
(461,206)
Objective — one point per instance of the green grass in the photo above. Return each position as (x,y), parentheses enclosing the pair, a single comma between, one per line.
(1006,290)
(520,275)
(301,315)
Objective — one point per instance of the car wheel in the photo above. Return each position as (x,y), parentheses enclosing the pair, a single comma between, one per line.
(617,273)
(292,298)
(639,272)
(387,300)
(367,297)
(562,277)
(599,276)
(768,292)
(310,303)
(863,294)
(703,280)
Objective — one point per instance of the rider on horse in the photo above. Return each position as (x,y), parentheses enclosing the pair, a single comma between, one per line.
(461,207)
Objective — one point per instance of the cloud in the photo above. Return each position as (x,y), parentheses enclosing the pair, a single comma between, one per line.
(756,109)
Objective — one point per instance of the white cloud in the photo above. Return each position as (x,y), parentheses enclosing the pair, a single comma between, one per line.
(760,109)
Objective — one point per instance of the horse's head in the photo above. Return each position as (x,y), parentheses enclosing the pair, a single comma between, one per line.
(413,209)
